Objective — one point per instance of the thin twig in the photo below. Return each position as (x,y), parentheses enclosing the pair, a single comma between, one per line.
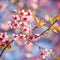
(5,48)
(41,35)
(48,28)
(36,44)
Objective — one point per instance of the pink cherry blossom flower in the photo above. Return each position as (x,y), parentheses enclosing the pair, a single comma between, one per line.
(9,24)
(23,24)
(26,30)
(29,13)
(45,53)
(15,25)
(25,18)
(21,37)
(21,13)
(15,36)
(5,26)
(16,17)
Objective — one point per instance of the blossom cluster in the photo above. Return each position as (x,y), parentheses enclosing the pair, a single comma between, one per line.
(4,39)
(22,27)
(21,24)
(45,53)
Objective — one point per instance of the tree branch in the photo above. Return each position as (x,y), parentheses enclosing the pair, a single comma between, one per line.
(30,40)
(41,35)
(5,48)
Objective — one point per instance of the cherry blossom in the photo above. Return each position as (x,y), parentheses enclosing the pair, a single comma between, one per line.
(25,18)
(22,37)
(5,26)
(15,36)
(21,13)
(16,17)
(21,24)
(4,40)
(45,53)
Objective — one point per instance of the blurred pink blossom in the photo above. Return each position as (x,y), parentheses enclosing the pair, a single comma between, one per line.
(3,7)
(43,3)
(5,26)
(57,48)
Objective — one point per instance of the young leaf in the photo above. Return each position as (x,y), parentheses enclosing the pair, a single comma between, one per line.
(42,23)
(51,20)
(57,17)
(9,38)
(54,30)
(9,47)
(36,19)
(57,28)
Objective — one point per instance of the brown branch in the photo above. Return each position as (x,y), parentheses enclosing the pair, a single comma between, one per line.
(48,28)
(36,45)
(30,40)
(5,48)
(41,35)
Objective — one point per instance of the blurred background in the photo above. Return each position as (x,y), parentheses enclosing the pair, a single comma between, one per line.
(40,8)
